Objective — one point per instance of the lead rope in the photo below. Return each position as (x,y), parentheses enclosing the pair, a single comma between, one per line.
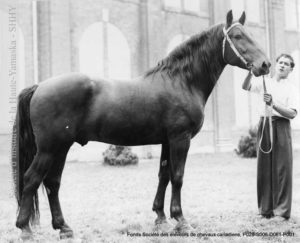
(268,114)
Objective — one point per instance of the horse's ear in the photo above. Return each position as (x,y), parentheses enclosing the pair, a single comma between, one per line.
(242,19)
(229,19)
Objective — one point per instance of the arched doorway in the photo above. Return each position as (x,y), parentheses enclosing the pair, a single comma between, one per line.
(104,51)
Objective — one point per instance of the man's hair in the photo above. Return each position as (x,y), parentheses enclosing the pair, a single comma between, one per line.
(287,56)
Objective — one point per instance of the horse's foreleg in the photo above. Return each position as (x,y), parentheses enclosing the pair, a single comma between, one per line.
(32,179)
(164,178)
(178,153)
(52,184)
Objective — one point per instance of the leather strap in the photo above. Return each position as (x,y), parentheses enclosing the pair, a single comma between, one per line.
(226,37)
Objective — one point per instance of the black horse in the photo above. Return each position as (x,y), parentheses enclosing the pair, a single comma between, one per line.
(165,106)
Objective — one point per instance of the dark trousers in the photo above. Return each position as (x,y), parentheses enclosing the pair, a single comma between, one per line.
(274,170)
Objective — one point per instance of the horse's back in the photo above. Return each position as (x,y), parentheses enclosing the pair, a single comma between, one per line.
(63,83)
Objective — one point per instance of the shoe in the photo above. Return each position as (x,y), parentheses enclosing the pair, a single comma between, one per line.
(278,218)
(266,216)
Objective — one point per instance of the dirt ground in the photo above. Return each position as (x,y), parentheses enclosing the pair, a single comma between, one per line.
(111,204)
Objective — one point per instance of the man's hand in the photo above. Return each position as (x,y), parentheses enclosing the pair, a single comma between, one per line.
(268,99)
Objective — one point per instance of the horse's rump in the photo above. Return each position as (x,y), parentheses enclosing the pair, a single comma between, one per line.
(58,108)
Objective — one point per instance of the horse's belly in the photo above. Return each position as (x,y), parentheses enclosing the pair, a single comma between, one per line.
(130,136)
(124,132)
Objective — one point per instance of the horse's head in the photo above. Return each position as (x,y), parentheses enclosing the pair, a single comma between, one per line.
(239,49)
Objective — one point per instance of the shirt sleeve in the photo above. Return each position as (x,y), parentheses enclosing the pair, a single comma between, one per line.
(256,85)
(293,99)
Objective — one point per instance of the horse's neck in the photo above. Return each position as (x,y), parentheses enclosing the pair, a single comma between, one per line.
(211,65)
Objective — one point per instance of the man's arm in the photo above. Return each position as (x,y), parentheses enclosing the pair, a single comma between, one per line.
(284,111)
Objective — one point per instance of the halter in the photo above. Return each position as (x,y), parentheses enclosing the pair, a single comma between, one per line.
(226,37)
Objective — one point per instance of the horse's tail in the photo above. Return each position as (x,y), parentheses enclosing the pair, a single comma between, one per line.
(23,148)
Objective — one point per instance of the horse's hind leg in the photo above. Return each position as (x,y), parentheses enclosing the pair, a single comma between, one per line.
(32,179)
(164,178)
(52,184)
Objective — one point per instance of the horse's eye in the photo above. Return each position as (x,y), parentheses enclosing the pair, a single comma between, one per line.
(238,37)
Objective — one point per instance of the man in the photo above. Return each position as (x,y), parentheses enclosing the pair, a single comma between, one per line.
(275,158)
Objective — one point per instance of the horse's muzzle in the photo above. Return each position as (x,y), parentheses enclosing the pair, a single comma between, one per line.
(266,67)
(262,69)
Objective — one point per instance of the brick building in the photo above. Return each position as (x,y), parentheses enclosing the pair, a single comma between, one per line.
(124,38)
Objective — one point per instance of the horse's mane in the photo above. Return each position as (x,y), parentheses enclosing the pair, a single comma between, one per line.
(181,60)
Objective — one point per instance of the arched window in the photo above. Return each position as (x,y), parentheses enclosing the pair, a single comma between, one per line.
(91,50)
(104,51)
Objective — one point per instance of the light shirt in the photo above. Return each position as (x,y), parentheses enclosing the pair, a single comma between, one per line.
(283,93)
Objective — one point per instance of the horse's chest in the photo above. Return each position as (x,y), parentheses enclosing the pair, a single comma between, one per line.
(197,119)
(188,118)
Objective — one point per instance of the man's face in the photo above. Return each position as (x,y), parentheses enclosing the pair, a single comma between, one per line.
(283,67)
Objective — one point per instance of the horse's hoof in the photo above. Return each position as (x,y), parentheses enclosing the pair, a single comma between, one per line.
(162,225)
(35,223)
(183,226)
(26,236)
(66,234)
(160,220)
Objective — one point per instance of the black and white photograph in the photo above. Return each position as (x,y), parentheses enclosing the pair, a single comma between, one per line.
(149,121)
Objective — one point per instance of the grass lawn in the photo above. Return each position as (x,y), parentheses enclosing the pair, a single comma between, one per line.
(106,204)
